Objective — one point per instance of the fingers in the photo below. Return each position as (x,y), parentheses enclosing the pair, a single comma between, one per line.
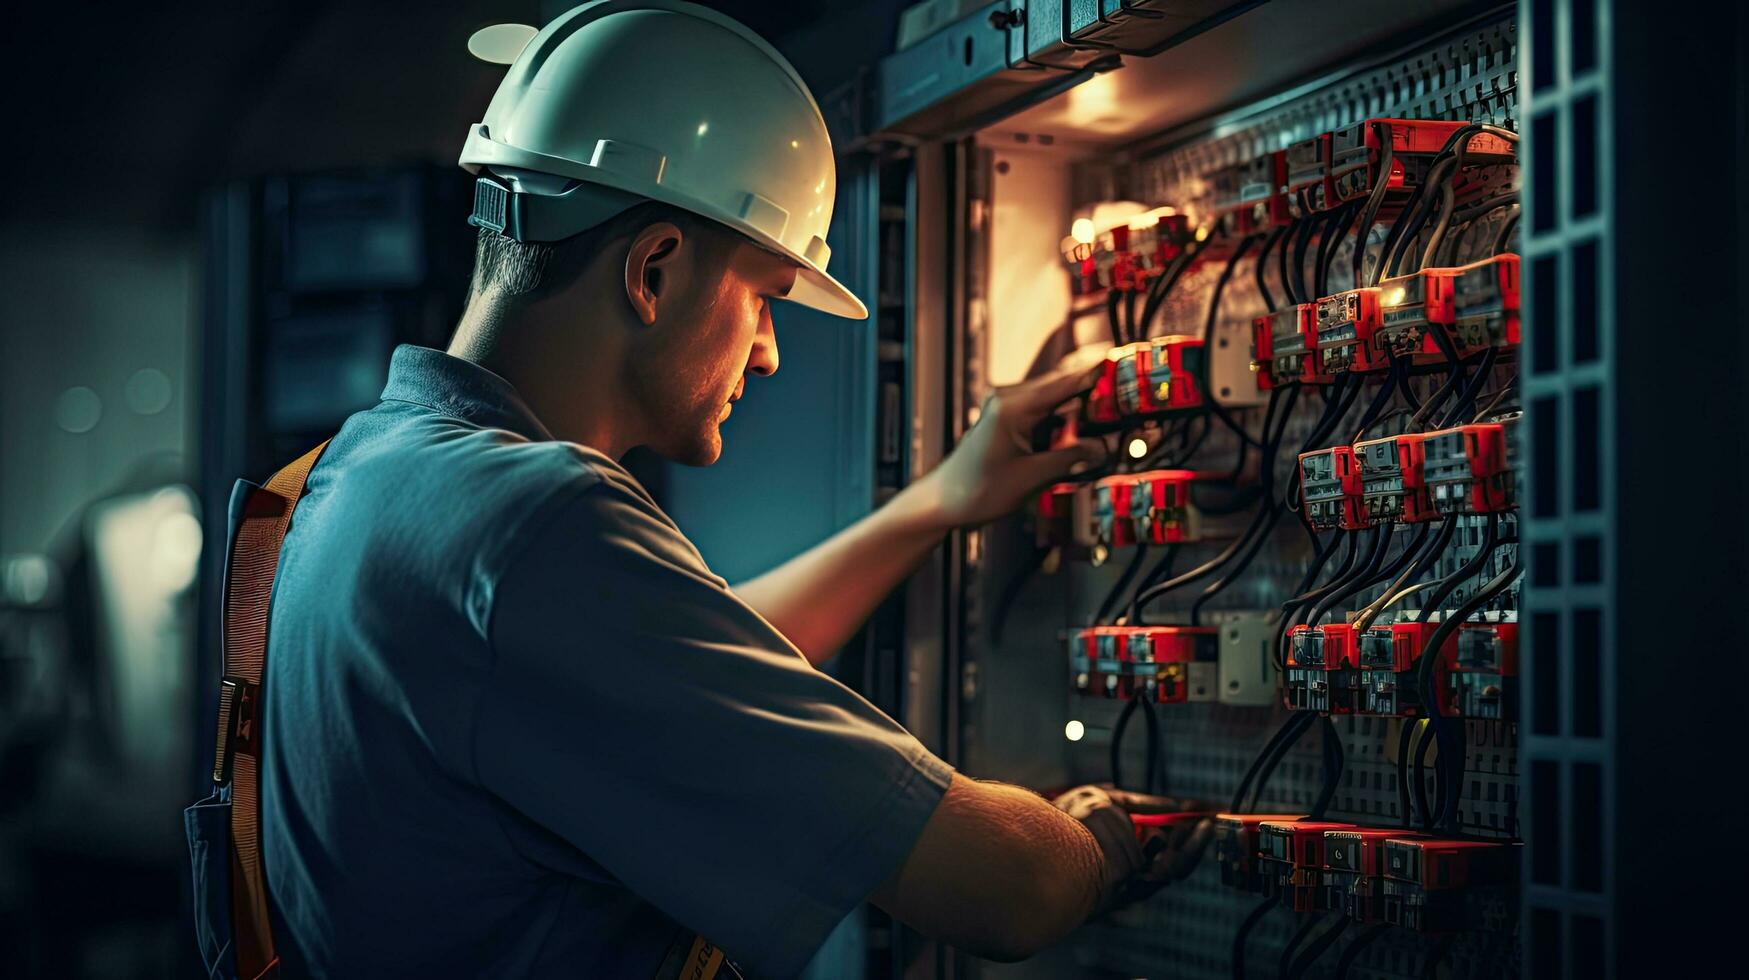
(1034,398)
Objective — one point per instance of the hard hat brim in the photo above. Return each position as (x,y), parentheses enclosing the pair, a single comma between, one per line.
(819,291)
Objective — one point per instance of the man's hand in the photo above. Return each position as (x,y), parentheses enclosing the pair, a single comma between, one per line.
(1142,854)
(994,468)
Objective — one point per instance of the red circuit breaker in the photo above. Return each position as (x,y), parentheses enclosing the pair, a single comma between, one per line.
(1263,205)
(1355,155)
(1237,846)
(1468,469)
(1284,346)
(1390,661)
(1485,302)
(1291,853)
(1174,664)
(1484,679)
(1333,488)
(1348,322)
(1150,379)
(1099,662)
(1409,306)
(1354,871)
(1153,506)
(1393,480)
(1321,668)
(1431,885)
(1056,514)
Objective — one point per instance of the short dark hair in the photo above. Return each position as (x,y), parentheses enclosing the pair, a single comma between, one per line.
(527,271)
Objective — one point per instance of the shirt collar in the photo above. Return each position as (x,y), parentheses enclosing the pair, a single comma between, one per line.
(460,389)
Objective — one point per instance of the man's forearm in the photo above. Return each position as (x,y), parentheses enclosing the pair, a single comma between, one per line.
(820,597)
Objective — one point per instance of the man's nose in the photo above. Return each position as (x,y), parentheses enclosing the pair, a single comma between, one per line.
(764,359)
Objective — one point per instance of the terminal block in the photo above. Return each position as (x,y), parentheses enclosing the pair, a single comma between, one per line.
(1354,871)
(1152,507)
(1468,469)
(1348,323)
(1356,152)
(1485,302)
(1321,669)
(1393,480)
(1284,347)
(1262,204)
(1390,662)
(1484,679)
(1307,188)
(1237,846)
(1099,662)
(1333,489)
(1431,885)
(1409,308)
(1152,379)
(1291,855)
(1056,514)
(1173,664)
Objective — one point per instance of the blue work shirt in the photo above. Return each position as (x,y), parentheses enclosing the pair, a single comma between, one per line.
(516,727)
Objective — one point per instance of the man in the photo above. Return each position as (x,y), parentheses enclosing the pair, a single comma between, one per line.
(514,725)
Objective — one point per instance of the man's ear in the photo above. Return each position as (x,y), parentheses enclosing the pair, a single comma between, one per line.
(649,270)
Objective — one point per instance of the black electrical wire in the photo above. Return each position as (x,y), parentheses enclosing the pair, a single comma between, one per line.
(1429,553)
(1162,287)
(1289,236)
(1117,732)
(1357,579)
(1467,571)
(1451,782)
(1447,204)
(1357,946)
(1405,739)
(1208,330)
(1161,568)
(1507,227)
(1335,760)
(1123,581)
(1262,258)
(1317,948)
(1245,927)
(1156,751)
(1465,405)
(1113,297)
(1284,737)
(1505,392)
(1419,780)
(1292,608)
(1370,213)
(1302,291)
(1300,936)
(1268,763)
(1011,590)
(1327,251)
(1259,534)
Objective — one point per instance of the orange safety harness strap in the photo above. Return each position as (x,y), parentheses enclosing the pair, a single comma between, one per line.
(249,573)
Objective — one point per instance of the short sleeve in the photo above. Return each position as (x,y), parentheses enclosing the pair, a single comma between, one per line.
(647,716)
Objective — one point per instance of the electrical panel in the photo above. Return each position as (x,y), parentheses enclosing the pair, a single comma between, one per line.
(1299,565)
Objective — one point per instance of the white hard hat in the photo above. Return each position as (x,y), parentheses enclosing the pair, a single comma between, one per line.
(622,101)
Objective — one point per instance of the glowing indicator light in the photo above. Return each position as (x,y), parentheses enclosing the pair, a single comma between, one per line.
(1138,448)
(1074,731)
(1082,230)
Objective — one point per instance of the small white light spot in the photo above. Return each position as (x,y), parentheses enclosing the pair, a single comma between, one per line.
(703,128)
(795,144)
(1082,230)
(78,409)
(1074,731)
(1138,448)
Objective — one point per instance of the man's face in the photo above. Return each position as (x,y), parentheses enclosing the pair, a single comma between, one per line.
(713,329)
